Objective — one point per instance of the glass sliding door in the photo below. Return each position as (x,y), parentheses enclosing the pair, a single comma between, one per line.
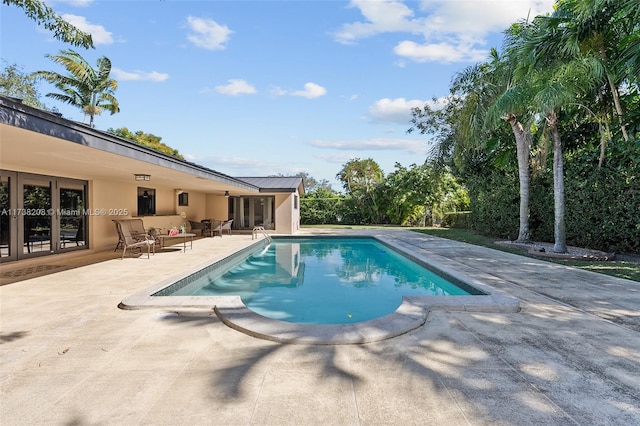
(8,216)
(41,215)
(71,215)
(253,211)
(257,205)
(36,215)
(268,221)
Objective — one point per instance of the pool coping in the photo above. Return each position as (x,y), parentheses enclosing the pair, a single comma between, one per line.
(411,314)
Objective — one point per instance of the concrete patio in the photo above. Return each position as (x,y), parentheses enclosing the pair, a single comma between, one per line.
(69,355)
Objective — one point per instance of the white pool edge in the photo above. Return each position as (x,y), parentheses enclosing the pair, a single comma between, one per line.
(411,314)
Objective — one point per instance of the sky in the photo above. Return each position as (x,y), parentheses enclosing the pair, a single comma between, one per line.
(260,88)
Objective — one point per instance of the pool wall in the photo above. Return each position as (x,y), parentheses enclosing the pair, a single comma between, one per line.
(411,314)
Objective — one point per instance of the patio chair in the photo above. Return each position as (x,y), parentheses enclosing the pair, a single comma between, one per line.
(135,228)
(77,236)
(130,242)
(218,226)
(226,225)
(195,226)
(214,226)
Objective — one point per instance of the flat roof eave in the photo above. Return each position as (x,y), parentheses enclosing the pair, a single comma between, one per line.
(15,113)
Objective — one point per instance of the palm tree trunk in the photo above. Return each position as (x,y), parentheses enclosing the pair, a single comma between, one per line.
(559,229)
(616,97)
(523,148)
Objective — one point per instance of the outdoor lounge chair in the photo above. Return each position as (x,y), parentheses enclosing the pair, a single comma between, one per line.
(198,226)
(77,236)
(213,227)
(217,226)
(130,242)
(135,228)
(226,225)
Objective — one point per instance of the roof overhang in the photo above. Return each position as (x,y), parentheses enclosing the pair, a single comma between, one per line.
(277,184)
(45,143)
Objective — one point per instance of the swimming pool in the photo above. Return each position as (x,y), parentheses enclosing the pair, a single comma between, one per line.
(411,314)
(321,280)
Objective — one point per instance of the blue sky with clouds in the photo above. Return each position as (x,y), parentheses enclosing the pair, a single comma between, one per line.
(266,87)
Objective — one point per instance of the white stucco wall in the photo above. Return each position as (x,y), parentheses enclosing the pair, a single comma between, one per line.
(118,197)
(217,207)
(287,217)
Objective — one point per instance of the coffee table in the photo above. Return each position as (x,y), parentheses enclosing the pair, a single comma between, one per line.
(184,237)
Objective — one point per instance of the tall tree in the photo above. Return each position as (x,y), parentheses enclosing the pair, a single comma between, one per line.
(360,179)
(15,83)
(146,139)
(310,183)
(593,28)
(510,102)
(91,90)
(38,11)
(481,97)
(558,84)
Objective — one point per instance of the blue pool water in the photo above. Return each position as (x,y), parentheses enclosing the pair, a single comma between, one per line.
(320,280)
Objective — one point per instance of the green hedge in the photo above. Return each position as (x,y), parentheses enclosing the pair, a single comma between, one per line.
(494,204)
(457,220)
(602,205)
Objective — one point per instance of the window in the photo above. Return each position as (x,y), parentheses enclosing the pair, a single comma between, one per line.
(146,201)
(183,199)
(295,202)
(248,212)
(42,215)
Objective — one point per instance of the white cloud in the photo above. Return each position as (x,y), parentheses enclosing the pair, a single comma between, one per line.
(155,76)
(441,31)
(339,158)
(242,166)
(394,110)
(207,33)
(349,98)
(311,91)
(412,146)
(77,3)
(98,33)
(236,87)
(278,91)
(440,52)
(381,17)
(480,16)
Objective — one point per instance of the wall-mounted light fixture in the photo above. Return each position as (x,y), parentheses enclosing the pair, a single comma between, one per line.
(142,177)
(226,194)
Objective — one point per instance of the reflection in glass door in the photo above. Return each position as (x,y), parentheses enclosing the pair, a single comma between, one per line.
(41,215)
(7,215)
(253,211)
(72,218)
(258,211)
(36,216)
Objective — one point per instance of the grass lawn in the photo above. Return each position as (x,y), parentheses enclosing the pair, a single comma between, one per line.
(620,269)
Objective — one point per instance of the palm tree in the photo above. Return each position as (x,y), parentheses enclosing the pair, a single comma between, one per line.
(84,87)
(482,96)
(630,43)
(593,28)
(557,83)
(510,102)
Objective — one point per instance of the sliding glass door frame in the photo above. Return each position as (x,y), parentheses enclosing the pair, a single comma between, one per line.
(34,223)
